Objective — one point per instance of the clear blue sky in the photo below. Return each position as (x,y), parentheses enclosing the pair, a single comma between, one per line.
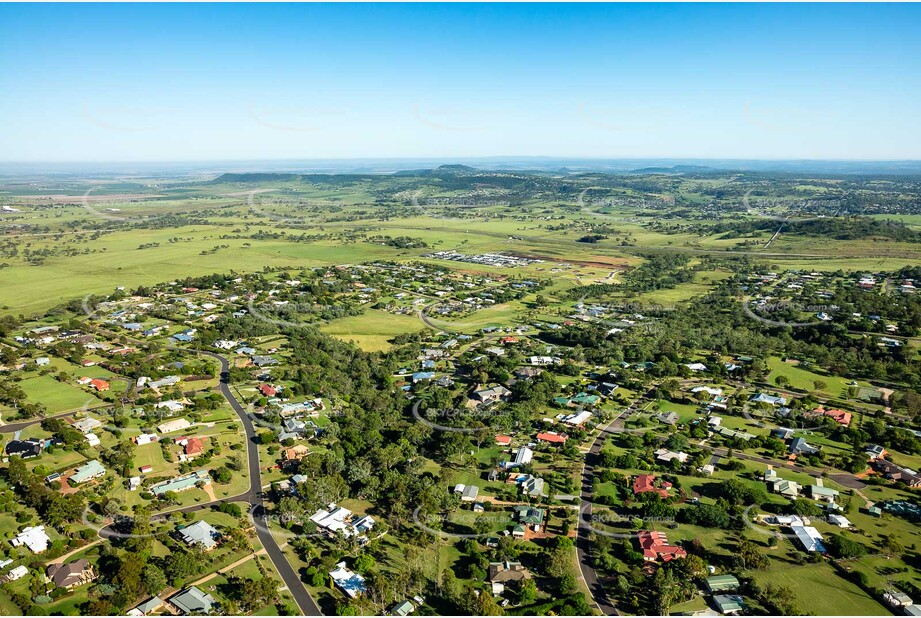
(240,81)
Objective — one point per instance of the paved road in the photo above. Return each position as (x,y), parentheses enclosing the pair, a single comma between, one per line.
(583,540)
(292,580)
(253,496)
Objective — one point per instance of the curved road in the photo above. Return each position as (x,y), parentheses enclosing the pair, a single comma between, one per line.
(253,496)
(292,580)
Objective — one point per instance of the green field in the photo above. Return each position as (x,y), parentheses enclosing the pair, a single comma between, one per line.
(820,590)
(373,330)
(57,396)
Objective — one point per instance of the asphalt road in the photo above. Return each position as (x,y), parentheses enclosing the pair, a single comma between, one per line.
(304,601)
(583,539)
(254,497)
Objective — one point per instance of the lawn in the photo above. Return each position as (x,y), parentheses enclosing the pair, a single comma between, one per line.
(802,378)
(821,591)
(373,331)
(57,396)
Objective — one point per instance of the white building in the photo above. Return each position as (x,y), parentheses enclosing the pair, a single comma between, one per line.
(33,537)
(17,573)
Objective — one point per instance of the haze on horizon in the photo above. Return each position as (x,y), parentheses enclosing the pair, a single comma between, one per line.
(249,82)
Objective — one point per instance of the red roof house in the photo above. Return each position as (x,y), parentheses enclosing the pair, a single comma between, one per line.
(646,483)
(503,440)
(654,546)
(839,416)
(508,340)
(99,385)
(193,447)
(267,390)
(552,438)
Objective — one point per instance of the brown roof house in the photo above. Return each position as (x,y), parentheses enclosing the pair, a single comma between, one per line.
(501,573)
(71,575)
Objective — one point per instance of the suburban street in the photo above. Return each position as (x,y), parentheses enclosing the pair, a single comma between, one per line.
(291,578)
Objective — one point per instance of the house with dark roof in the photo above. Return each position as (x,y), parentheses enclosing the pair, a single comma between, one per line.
(799,446)
(24,448)
(501,573)
(72,574)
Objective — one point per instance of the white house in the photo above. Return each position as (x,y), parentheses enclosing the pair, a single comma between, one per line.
(33,537)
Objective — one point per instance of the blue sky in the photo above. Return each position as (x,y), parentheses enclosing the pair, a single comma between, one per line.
(177,82)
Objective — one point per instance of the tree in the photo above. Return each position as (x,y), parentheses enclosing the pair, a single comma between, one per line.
(222,475)
(749,557)
(153,578)
(364,563)
(842,547)
(527,592)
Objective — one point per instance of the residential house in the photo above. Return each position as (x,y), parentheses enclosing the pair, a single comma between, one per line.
(728,604)
(523,456)
(72,574)
(87,472)
(799,446)
(552,437)
(721,583)
(669,418)
(193,601)
(644,483)
(149,606)
(33,537)
(145,438)
(532,486)
(501,573)
(349,582)
(200,534)
(667,456)
(839,416)
(295,453)
(101,386)
(489,396)
(468,493)
(769,399)
(16,573)
(24,448)
(818,492)
(529,516)
(181,483)
(267,390)
(809,538)
(402,609)
(654,546)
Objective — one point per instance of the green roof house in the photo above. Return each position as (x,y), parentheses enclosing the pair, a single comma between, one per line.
(181,483)
(728,603)
(721,583)
(87,472)
(193,601)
